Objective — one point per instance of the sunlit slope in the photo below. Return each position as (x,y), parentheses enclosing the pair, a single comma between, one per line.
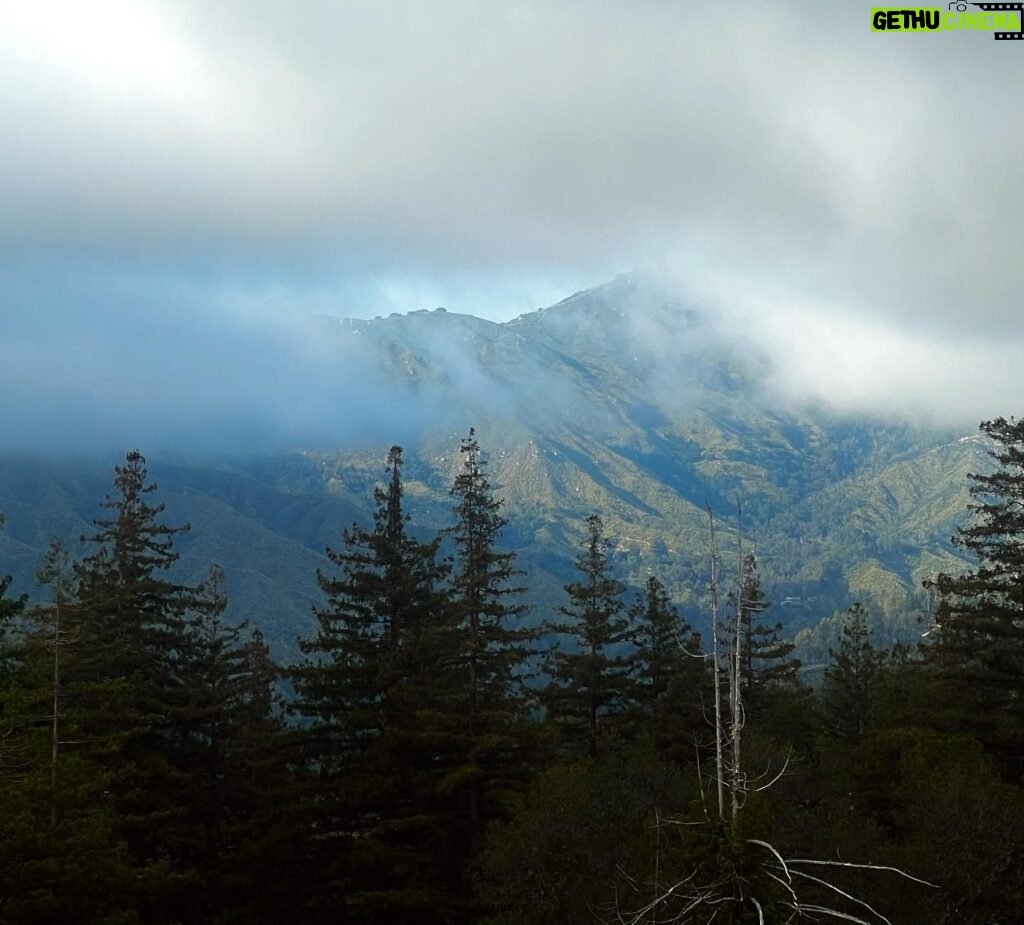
(619,401)
(623,402)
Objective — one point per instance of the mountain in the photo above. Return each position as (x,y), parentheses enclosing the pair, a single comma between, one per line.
(619,400)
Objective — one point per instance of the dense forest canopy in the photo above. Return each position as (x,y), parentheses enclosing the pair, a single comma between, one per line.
(562,498)
(433,756)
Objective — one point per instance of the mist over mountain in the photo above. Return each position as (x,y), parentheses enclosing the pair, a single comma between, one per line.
(619,400)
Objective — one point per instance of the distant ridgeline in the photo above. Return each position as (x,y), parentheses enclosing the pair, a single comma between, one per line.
(441,761)
(617,401)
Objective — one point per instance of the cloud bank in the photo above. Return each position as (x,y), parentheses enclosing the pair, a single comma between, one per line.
(205,173)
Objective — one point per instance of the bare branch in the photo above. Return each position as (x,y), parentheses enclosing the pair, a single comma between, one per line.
(776,778)
(717,665)
(844,894)
(894,870)
(782,863)
(834,913)
(788,888)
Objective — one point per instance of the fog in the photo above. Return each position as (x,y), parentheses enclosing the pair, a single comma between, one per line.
(186,187)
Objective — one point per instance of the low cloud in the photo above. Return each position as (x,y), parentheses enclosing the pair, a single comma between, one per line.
(827,353)
(189,174)
(175,378)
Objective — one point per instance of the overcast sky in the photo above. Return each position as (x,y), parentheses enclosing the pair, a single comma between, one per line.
(182,176)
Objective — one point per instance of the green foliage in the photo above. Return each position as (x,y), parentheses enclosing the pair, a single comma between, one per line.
(708,866)
(765,661)
(665,642)
(671,673)
(980,632)
(139,725)
(492,650)
(952,797)
(60,856)
(849,686)
(10,608)
(381,745)
(125,686)
(590,682)
(231,733)
(146,775)
(586,835)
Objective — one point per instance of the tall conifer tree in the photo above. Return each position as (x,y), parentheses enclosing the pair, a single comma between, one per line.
(671,673)
(61,858)
(665,641)
(235,764)
(491,647)
(10,607)
(850,682)
(125,689)
(765,655)
(592,677)
(378,687)
(980,614)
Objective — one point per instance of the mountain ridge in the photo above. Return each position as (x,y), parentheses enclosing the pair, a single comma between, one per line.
(618,400)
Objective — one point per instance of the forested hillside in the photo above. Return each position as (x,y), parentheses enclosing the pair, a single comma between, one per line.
(510,464)
(618,400)
(438,759)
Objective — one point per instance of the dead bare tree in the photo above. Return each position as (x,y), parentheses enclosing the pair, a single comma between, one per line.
(745,876)
(735,677)
(727,657)
(55,572)
(716,668)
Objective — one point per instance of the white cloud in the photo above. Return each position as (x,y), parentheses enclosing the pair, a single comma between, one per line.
(351,157)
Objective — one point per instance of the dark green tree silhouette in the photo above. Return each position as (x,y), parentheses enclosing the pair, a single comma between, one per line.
(851,679)
(61,858)
(665,641)
(765,656)
(492,646)
(234,738)
(126,690)
(591,676)
(671,672)
(378,690)
(10,607)
(979,624)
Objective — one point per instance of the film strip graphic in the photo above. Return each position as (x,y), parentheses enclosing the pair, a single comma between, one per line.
(1004,8)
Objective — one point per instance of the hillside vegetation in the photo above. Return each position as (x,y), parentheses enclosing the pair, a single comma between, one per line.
(617,400)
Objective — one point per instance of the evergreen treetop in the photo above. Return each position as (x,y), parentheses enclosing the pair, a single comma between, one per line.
(980,613)
(592,677)
(849,686)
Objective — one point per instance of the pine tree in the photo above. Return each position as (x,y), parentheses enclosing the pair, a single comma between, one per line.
(671,672)
(10,608)
(234,736)
(263,875)
(60,856)
(665,641)
(339,693)
(126,690)
(764,660)
(492,650)
(11,657)
(377,688)
(980,614)
(849,685)
(590,683)
(55,573)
